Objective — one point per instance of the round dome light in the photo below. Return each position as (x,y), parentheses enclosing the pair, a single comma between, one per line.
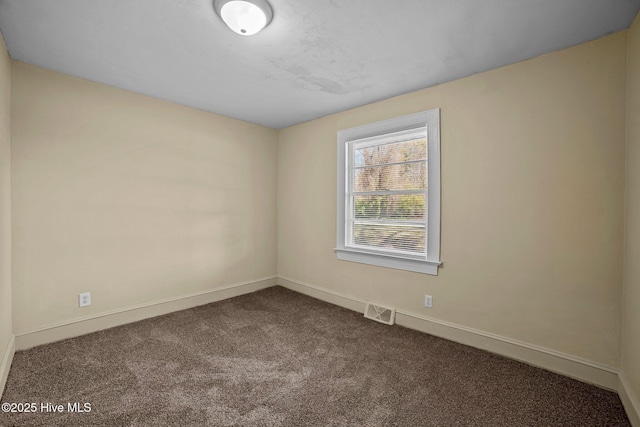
(245,17)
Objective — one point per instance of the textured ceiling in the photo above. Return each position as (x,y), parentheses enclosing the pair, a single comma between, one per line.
(316,57)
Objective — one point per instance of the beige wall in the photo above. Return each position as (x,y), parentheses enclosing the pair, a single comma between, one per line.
(631,290)
(5,204)
(130,198)
(532,202)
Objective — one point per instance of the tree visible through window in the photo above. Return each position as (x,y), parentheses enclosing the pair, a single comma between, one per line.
(389,193)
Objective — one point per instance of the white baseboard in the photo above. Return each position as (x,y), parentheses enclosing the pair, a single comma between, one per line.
(551,360)
(333,297)
(85,325)
(629,399)
(5,363)
(565,364)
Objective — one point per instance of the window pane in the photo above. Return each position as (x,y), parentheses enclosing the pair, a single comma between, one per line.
(415,149)
(396,237)
(408,176)
(409,207)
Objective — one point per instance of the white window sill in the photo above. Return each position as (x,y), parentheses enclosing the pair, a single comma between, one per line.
(418,266)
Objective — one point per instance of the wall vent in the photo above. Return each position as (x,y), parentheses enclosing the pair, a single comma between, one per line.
(380,313)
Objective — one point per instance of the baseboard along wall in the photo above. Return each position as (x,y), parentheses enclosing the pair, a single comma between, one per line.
(565,364)
(5,362)
(85,325)
(601,375)
(629,399)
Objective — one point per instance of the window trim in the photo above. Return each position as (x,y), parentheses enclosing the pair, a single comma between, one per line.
(420,264)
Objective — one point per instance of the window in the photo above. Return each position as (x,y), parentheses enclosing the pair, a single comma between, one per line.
(389,193)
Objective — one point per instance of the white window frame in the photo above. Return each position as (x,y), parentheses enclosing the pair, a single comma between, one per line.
(418,263)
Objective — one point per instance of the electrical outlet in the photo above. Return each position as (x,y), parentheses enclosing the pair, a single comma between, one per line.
(428,301)
(84,299)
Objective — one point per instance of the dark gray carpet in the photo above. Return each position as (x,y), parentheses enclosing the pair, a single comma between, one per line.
(278,358)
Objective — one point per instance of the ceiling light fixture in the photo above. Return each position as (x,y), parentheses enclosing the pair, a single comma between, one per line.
(245,17)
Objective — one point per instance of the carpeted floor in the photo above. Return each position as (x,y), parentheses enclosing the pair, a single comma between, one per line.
(278,358)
